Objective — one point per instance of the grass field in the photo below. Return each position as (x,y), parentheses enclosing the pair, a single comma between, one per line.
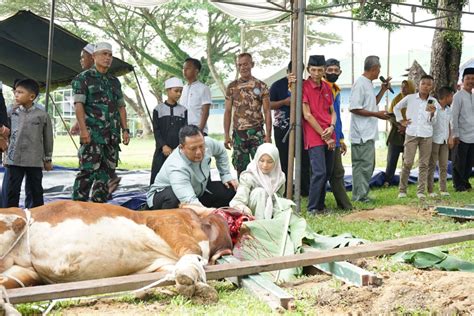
(138,155)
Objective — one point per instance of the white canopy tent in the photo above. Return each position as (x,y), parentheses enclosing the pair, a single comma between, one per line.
(262,10)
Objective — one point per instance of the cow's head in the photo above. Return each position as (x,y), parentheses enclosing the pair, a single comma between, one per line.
(12,225)
(217,231)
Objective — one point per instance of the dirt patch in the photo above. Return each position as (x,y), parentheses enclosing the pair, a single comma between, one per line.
(390,213)
(401,292)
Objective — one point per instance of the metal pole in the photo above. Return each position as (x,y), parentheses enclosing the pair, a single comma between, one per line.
(50,53)
(242,38)
(352,50)
(143,96)
(299,101)
(64,122)
(291,138)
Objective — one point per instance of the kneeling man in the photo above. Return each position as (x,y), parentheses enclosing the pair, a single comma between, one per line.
(185,175)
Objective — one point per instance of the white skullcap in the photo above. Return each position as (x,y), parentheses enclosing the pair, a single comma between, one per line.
(89,48)
(102,46)
(173,83)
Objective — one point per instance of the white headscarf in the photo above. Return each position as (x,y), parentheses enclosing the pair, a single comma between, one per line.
(270,182)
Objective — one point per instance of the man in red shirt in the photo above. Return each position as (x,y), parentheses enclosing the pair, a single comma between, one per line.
(318,128)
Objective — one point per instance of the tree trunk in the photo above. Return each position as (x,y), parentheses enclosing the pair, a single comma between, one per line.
(447,46)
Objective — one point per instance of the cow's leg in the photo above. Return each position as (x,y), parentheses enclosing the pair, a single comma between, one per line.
(17,276)
(6,308)
(190,279)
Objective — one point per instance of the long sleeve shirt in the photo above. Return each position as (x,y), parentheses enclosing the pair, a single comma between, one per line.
(463,116)
(31,137)
(188,179)
(441,125)
(421,120)
(167,121)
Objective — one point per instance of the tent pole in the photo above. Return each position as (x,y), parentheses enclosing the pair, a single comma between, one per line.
(291,138)
(143,96)
(64,122)
(50,54)
(299,101)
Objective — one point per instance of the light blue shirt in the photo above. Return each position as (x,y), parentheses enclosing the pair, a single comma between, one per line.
(188,179)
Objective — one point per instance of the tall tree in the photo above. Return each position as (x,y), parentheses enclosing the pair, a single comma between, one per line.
(447,45)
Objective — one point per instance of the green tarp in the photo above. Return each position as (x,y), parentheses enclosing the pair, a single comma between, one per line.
(24,51)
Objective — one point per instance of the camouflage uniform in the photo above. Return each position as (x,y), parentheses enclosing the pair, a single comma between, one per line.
(246,98)
(102,96)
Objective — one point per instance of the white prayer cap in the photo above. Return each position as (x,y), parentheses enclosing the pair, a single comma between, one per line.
(173,83)
(89,48)
(102,46)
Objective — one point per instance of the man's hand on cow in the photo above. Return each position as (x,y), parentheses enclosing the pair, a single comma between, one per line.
(48,165)
(234,184)
(228,142)
(125,137)
(85,137)
(75,129)
(167,150)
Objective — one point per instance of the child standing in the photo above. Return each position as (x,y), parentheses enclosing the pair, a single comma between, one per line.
(31,144)
(168,118)
(420,115)
(440,147)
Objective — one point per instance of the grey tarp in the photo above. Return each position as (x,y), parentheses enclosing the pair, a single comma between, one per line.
(24,51)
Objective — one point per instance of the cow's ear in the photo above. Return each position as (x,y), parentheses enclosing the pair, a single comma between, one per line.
(18,225)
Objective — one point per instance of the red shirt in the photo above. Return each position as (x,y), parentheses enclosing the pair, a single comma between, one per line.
(320,99)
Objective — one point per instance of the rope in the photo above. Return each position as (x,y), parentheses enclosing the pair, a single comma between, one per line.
(195,261)
(26,230)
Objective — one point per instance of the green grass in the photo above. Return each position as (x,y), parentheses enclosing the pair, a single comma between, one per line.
(138,155)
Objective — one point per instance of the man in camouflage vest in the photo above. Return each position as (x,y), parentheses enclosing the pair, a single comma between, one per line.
(244,100)
(101,115)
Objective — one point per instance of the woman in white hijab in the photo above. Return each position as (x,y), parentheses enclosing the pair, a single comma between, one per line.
(261,185)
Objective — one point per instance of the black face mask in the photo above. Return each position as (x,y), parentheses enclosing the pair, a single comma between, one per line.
(332,77)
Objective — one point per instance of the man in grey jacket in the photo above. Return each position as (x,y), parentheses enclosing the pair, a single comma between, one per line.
(185,175)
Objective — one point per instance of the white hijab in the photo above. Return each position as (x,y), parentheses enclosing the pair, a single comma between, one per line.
(270,182)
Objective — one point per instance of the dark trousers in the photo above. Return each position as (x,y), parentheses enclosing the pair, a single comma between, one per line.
(393,154)
(337,182)
(158,160)
(28,194)
(283,148)
(15,178)
(322,160)
(463,164)
(218,196)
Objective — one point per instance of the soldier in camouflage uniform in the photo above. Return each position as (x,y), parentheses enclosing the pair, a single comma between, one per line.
(101,114)
(247,102)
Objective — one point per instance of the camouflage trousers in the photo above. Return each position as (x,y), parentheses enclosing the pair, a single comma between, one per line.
(97,163)
(245,144)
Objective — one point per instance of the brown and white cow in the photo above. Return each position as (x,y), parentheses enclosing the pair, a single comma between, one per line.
(72,241)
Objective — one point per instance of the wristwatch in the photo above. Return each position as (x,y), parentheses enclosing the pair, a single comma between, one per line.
(125,130)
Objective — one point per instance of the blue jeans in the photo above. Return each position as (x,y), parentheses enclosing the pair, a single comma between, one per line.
(322,160)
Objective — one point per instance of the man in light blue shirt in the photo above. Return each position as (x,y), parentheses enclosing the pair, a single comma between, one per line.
(185,175)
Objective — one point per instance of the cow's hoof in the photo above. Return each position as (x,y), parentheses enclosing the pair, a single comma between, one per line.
(205,293)
(185,285)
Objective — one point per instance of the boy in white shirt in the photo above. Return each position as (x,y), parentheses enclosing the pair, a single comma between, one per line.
(440,146)
(420,114)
